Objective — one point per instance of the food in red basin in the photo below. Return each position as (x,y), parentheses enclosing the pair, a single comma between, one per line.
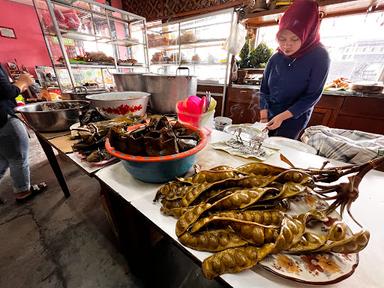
(159,169)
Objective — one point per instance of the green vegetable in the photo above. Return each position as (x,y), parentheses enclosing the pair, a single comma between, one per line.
(244,55)
(260,55)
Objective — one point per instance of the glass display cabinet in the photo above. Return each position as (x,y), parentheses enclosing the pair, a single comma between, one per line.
(88,41)
(199,43)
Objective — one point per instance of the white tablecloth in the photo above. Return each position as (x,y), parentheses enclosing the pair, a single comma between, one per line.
(368,209)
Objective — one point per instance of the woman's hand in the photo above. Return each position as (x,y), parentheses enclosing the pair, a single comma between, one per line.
(275,122)
(24,81)
(263,116)
(278,119)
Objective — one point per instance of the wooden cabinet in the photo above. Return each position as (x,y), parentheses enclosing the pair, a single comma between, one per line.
(326,110)
(350,112)
(335,111)
(362,113)
(242,105)
(217,92)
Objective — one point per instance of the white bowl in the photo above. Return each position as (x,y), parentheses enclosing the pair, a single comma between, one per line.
(118,104)
(221,122)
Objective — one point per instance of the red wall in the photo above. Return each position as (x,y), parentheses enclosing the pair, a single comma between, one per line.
(29,48)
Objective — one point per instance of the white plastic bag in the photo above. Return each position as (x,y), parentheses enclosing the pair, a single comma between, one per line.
(237,39)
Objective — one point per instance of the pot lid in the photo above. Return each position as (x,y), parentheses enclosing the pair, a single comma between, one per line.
(82,90)
(169,75)
(127,73)
(177,74)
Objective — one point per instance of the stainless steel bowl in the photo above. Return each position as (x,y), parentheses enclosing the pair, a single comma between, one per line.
(53,120)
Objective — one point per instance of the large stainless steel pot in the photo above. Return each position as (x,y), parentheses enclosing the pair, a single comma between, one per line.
(52,120)
(129,81)
(167,90)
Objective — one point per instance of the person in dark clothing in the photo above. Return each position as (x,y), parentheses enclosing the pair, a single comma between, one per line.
(295,75)
(14,143)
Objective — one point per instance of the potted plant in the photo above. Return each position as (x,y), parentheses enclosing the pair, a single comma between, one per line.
(244,56)
(259,57)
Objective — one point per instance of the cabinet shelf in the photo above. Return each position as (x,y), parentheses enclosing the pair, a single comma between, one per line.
(186,28)
(164,64)
(87,66)
(191,45)
(127,42)
(206,64)
(75,35)
(99,66)
(130,66)
(189,64)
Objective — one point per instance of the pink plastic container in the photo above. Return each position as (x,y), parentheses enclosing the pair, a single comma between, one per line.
(204,120)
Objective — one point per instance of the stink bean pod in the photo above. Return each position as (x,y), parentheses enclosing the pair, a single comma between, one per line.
(296,176)
(172,204)
(351,244)
(240,199)
(212,241)
(189,217)
(175,212)
(257,168)
(234,260)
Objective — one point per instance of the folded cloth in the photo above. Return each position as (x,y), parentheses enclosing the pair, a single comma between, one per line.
(350,146)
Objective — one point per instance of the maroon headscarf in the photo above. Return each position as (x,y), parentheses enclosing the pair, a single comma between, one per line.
(302,18)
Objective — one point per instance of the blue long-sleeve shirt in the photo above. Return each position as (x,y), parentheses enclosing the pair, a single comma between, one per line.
(294,84)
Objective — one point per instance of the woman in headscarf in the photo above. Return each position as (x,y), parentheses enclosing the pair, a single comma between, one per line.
(294,77)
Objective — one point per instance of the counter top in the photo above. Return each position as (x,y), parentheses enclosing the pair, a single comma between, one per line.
(353,94)
(325,92)
(245,86)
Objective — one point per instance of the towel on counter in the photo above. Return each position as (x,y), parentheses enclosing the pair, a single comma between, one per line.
(350,146)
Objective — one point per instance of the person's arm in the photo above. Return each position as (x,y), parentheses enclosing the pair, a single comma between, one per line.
(24,81)
(7,90)
(278,119)
(313,93)
(264,115)
(264,93)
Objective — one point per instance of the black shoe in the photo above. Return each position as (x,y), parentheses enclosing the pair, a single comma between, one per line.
(35,189)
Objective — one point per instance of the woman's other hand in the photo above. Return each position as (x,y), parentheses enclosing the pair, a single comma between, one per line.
(24,81)
(264,116)
(278,119)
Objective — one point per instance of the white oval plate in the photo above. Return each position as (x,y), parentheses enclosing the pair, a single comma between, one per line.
(312,268)
(282,142)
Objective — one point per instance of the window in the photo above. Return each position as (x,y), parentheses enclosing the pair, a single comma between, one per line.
(355,44)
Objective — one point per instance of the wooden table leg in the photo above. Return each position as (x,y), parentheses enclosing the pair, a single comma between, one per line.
(55,165)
